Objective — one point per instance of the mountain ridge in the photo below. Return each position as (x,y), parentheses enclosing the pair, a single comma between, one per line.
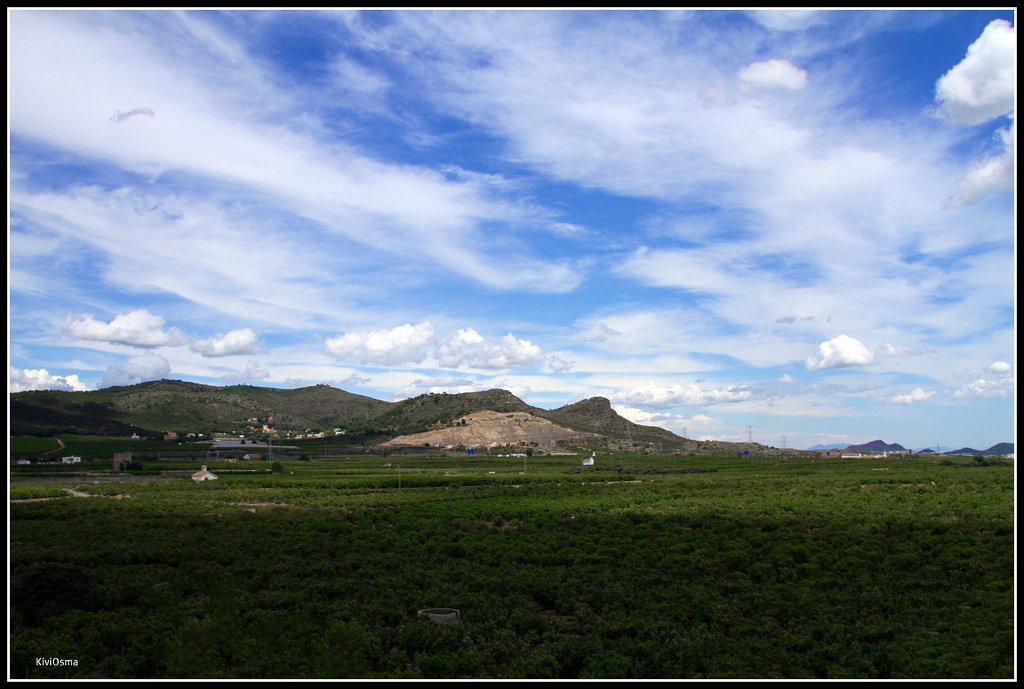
(153,407)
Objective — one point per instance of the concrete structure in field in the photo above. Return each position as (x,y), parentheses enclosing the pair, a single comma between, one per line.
(122,460)
(204,474)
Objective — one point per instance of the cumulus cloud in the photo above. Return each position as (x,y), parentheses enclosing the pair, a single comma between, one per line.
(983,387)
(406,344)
(416,344)
(468,348)
(840,352)
(1000,368)
(22,379)
(980,88)
(138,328)
(917,395)
(773,75)
(253,371)
(243,341)
(983,85)
(136,369)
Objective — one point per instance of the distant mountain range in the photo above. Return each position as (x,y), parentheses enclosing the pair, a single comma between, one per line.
(877,446)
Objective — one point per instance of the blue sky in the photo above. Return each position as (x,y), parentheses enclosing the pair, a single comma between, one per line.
(796,221)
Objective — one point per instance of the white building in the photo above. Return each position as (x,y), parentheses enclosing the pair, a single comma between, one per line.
(204,474)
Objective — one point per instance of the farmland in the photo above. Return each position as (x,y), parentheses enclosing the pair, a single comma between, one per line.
(643,566)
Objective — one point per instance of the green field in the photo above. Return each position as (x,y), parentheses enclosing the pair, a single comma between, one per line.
(762,568)
(32,445)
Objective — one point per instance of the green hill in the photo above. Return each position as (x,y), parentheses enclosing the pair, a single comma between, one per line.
(153,407)
(150,408)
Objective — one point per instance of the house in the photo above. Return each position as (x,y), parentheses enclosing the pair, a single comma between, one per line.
(204,475)
(170,436)
(71,460)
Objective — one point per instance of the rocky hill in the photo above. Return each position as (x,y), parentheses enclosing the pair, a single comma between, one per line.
(492,428)
(153,407)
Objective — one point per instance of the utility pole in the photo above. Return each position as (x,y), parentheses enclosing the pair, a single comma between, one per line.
(750,433)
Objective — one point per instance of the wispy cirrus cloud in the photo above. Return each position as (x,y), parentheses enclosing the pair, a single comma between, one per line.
(206,129)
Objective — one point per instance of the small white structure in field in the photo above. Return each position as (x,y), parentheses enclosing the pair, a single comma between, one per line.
(204,475)
(71,460)
(589,461)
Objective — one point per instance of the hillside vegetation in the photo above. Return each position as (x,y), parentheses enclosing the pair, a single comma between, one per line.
(151,408)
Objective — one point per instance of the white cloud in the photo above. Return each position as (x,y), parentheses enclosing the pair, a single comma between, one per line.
(984,388)
(417,345)
(840,352)
(913,397)
(991,174)
(253,371)
(787,20)
(773,75)
(243,341)
(469,348)
(600,332)
(136,369)
(138,328)
(984,84)
(1000,368)
(227,122)
(900,350)
(450,384)
(405,344)
(557,364)
(652,396)
(24,379)
(685,426)
(518,389)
